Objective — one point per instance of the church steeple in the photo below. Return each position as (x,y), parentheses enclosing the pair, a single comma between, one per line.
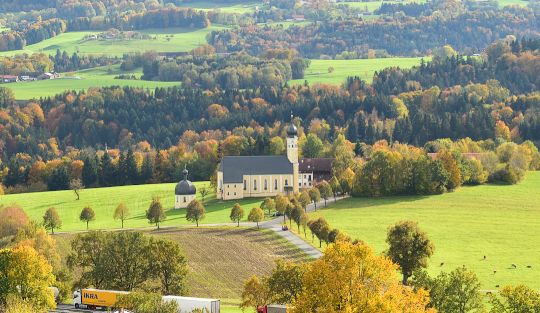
(292,142)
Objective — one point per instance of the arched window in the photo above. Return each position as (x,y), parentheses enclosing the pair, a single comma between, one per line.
(254,184)
(185,200)
(286,182)
(245,184)
(265,184)
(275,184)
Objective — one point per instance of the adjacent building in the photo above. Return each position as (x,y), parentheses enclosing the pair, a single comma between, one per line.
(241,177)
(314,170)
(185,192)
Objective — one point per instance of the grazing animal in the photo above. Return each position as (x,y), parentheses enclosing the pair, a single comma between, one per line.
(496,286)
(442,263)
(514,266)
(528,266)
(484,257)
(494,272)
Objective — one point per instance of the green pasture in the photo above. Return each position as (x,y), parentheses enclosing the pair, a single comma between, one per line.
(364,68)
(163,40)
(81,80)
(239,6)
(104,201)
(497,221)
(374,5)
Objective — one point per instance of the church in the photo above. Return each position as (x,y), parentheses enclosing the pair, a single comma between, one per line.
(241,177)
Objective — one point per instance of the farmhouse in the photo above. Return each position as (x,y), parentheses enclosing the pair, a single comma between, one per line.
(9,79)
(260,176)
(184,192)
(315,170)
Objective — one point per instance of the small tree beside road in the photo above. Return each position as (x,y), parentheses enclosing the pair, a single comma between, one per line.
(87,215)
(195,211)
(237,214)
(155,213)
(256,215)
(121,213)
(51,220)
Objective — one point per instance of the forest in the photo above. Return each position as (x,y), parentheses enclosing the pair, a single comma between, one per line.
(481,100)
(208,71)
(467,31)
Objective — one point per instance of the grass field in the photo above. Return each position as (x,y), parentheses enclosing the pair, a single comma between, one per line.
(81,80)
(183,40)
(105,200)
(318,70)
(228,257)
(500,222)
(239,6)
(374,5)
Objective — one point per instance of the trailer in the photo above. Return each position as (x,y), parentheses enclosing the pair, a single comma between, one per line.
(188,304)
(272,308)
(96,299)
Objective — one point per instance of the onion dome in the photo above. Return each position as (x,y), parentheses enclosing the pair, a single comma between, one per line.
(185,187)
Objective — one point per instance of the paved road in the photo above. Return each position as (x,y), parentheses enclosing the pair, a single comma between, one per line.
(296,240)
(273,224)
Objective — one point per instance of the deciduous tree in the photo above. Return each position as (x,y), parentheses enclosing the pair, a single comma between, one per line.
(315,196)
(195,211)
(268,204)
(410,247)
(87,215)
(121,213)
(237,214)
(155,213)
(51,220)
(348,289)
(256,215)
(325,191)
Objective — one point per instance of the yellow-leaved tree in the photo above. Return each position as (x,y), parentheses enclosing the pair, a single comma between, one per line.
(26,275)
(351,278)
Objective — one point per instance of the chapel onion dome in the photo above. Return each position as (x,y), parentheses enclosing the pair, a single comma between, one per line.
(185,187)
(292,131)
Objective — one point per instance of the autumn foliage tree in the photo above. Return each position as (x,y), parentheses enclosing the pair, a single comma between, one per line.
(87,215)
(237,214)
(51,219)
(195,211)
(410,247)
(346,289)
(155,213)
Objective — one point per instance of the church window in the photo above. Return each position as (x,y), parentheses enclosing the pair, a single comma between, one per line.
(184,199)
(265,184)
(275,184)
(309,177)
(245,184)
(286,182)
(254,184)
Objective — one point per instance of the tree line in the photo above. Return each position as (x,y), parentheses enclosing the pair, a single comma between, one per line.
(229,72)
(404,37)
(39,63)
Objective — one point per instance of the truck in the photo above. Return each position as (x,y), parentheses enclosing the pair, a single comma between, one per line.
(96,299)
(272,308)
(106,299)
(188,304)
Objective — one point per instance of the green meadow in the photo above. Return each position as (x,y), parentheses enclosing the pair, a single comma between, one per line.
(81,80)
(364,68)
(374,5)
(163,40)
(497,221)
(238,6)
(104,201)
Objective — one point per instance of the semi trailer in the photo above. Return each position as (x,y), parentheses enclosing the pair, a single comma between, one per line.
(96,299)
(106,299)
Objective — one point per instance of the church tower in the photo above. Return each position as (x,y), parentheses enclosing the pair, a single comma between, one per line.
(292,153)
